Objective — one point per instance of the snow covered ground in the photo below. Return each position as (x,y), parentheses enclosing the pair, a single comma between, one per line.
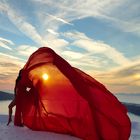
(22,133)
(135,132)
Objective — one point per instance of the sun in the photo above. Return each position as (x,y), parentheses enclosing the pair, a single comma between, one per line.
(45,76)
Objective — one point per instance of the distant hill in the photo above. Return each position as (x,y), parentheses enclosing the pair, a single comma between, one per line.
(6,96)
(129,94)
(133,108)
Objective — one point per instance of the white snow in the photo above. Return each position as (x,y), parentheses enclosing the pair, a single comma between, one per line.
(135,121)
(12,132)
(22,133)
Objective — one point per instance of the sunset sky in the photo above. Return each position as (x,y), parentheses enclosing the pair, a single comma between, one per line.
(101,37)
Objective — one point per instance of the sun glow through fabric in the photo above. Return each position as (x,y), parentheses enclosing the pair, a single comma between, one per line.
(45,76)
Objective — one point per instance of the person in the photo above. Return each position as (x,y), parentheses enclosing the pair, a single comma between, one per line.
(13,102)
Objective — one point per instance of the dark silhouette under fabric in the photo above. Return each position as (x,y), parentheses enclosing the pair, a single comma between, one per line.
(67,100)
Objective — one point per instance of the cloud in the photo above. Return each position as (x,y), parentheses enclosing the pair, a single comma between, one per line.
(58,44)
(5,56)
(59,19)
(96,47)
(20,22)
(52,32)
(124,79)
(9,67)
(94,56)
(74,35)
(73,9)
(47,39)
(83,60)
(133,70)
(72,54)
(26,50)
(102,48)
(129,21)
(4,46)
(5,43)
(55,41)
(111,11)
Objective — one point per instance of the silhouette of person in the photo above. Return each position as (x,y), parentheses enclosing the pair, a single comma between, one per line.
(13,102)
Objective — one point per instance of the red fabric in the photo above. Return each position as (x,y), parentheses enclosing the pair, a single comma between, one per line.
(69,101)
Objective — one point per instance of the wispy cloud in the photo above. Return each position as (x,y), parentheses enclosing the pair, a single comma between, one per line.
(97,47)
(20,22)
(74,35)
(129,21)
(5,43)
(93,56)
(57,44)
(3,55)
(123,79)
(109,10)
(46,39)
(26,50)
(104,49)
(72,54)
(52,32)
(59,19)
(9,67)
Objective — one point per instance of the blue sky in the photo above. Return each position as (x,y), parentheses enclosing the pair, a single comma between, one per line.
(101,38)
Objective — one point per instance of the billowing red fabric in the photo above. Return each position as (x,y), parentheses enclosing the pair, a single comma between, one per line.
(67,101)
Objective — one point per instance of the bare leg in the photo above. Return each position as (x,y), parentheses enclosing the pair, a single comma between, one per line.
(11,105)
